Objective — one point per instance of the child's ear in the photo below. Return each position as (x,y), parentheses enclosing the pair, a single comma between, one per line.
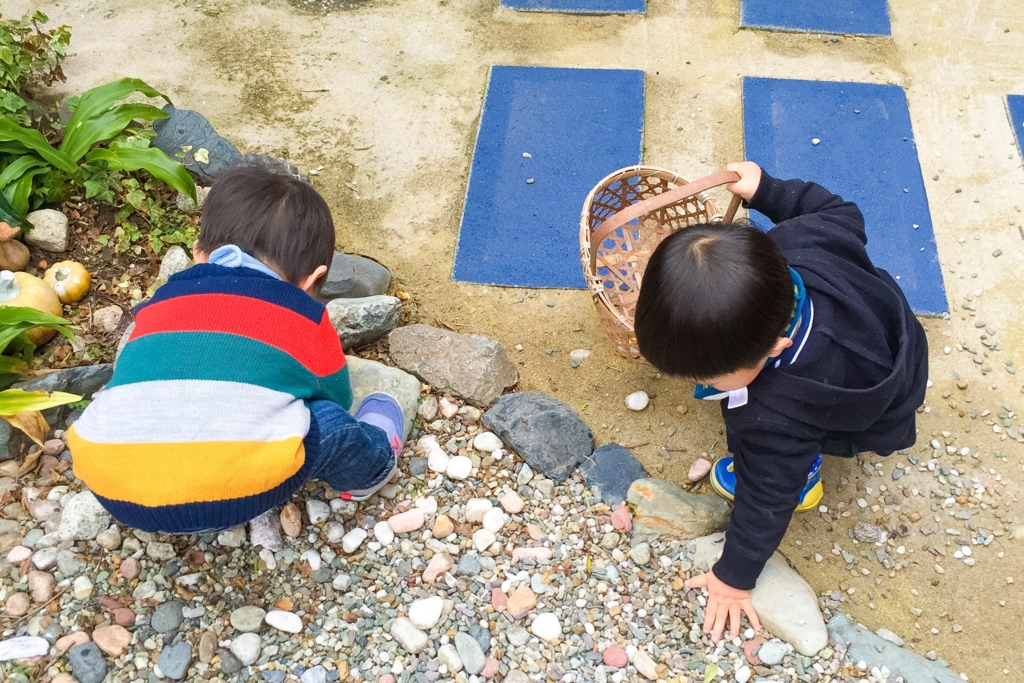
(198,255)
(310,280)
(781,344)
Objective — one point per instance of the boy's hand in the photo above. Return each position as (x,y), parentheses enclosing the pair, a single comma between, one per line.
(724,602)
(750,179)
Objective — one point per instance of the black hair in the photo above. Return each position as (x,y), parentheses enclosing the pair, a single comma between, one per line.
(713,300)
(279,219)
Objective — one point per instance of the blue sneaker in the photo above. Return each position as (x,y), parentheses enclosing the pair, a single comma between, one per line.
(382,411)
(723,480)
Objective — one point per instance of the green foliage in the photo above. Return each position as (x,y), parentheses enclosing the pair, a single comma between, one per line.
(15,401)
(15,346)
(28,55)
(33,171)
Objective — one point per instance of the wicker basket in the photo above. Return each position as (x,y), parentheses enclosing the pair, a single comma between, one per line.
(624,219)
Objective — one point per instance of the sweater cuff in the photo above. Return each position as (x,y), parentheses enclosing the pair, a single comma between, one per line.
(771,197)
(736,570)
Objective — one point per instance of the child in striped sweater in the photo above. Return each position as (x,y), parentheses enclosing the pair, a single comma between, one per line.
(233,389)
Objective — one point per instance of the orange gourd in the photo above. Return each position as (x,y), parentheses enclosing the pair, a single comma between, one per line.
(69,279)
(22,289)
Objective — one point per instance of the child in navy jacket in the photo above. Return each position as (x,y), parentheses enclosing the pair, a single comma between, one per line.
(809,346)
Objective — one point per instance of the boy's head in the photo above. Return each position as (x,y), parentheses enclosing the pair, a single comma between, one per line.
(281,220)
(714,303)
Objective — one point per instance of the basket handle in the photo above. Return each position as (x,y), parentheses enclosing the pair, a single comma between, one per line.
(646,206)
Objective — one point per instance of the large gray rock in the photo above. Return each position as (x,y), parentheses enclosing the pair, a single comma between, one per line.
(665,509)
(788,607)
(610,471)
(545,432)
(353,277)
(87,663)
(863,645)
(174,660)
(269,163)
(187,132)
(365,320)
(84,381)
(470,366)
(83,518)
(49,230)
(367,376)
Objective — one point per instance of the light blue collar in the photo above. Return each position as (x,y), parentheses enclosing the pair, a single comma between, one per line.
(230,256)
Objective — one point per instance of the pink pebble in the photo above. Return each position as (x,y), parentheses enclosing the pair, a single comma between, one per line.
(512,503)
(750,649)
(18,554)
(698,470)
(130,568)
(438,565)
(490,669)
(621,519)
(535,554)
(386,678)
(498,599)
(615,656)
(404,522)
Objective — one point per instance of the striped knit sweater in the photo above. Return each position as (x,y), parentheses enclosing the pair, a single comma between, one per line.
(204,424)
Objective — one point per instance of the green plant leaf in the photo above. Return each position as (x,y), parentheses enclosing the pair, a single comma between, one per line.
(20,190)
(34,141)
(158,164)
(105,126)
(15,401)
(8,214)
(16,320)
(13,171)
(98,99)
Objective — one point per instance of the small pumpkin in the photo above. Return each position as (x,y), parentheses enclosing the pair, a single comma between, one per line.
(13,254)
(69,279)
(22,289)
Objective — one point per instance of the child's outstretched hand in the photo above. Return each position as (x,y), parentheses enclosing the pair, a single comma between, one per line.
(724,601)
(750,178)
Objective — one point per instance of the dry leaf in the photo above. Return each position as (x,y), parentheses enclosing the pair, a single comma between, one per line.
(31,460)
(32,423)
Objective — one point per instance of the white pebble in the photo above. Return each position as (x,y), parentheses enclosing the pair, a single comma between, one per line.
(459,468)
(437,460)
(815,141)
(383,533)
(82,588)
(494,520)
(476,508)
(483,539)
(353,539)
(284,621)
(546,627)
(487,442)
(317,510)
(638,400)
(425,613)
(312,558)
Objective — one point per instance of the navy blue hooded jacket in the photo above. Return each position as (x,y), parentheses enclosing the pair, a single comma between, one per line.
(860,377)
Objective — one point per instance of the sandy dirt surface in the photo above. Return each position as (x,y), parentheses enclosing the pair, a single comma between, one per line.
(385,97)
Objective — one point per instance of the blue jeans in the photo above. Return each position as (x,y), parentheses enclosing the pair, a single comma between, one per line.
(351,455)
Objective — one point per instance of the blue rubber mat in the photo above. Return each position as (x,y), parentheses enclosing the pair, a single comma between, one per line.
(547,136)
(1015,108)
(859,17)
(578,6)
(866,153)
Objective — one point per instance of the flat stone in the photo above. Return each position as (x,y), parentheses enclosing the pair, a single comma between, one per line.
(317,674)
(443,527)
(189,130)
(130,569)
(408,521)
(412,640)
(469,565)
(705,551)
(664,508)
(771,653)
(363,321)
(284,621)
(640,553)
(645,665)
(637,401)
(490,670)
(367,377)
(291,520)
(438,565)
(469,366)
(546,627)
(383,533)
(87,663)
(207,646)
(512,503)
(82,588)
(517,636)
(535,554)
(232,538)
(49,230)
(426,612)
(459,468)
(615,656)
(83,518)
(494,519)
(875,651)
(609,471)
(70,564)
(351,541)
(475,509)
(449,656)
(698,470)
(521,602)
(869,533)
(41,585)
(317,510)
(547,433)
(248,619)
(472,656)
(265,532)
(788,607)
(23,647)
(174,261)
(886,634)
(483,539)
(167,617)
(487,442)
(113,640)
(353,277)
(229,663)
(247,648)
(19,554)
(17,605)
(175,659)
(69,641)
(44,558)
